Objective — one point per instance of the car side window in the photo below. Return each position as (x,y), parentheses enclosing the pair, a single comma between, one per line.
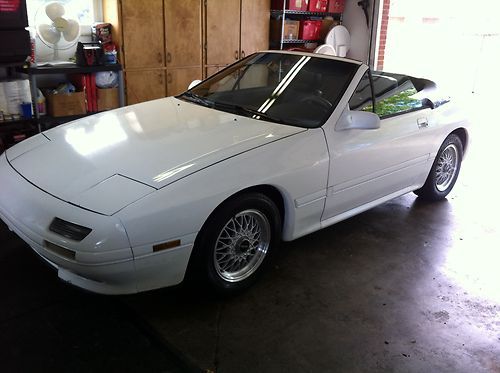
(361,99)
(394,94)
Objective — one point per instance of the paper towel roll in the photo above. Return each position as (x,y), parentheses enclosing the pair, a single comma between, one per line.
(15,92)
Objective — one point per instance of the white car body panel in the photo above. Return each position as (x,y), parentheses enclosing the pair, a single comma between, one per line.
(369,164)
(152,173)
(175,137)
(299,170)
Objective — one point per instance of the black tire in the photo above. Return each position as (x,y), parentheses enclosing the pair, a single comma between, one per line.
(437,187)
(212,246)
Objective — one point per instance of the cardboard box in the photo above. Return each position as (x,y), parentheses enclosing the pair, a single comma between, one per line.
(326,25)
(107,99)
(66,104)
(291,29)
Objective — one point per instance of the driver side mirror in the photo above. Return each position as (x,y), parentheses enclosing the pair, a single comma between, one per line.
(362,120)
(194,83)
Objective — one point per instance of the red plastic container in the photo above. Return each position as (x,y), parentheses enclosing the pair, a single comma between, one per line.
(310,30)
(290,4)
(318,5)
(297,4)
(336,6)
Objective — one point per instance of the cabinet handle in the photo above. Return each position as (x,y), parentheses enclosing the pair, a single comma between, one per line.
(243,54)
(160,57)
(236,55)
(169,57)
(169,78)
(161,78)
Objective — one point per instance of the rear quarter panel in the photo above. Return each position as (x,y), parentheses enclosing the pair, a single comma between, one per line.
(443,121)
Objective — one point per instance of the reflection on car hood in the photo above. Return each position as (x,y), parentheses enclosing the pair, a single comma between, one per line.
(154,143)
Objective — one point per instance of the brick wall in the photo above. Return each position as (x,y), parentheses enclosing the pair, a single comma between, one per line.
(384,22)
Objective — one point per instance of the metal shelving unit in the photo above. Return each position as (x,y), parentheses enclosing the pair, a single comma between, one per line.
(298,41)
(283,13)
(17,125)
(34,71)
(275,12)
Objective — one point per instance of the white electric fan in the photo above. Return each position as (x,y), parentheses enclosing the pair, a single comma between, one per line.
(54,29)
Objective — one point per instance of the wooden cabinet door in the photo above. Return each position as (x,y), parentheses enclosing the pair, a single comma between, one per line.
(183,33)
(223,31)
(255,15)
(143,33)
(211,70)
(145,85)
(179,79)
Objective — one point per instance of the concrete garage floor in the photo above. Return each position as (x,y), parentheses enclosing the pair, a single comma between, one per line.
(405,287)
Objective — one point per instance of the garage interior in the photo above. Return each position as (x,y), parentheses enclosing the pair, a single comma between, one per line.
(408,286)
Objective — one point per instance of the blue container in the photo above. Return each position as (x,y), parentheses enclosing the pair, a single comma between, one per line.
(26,110)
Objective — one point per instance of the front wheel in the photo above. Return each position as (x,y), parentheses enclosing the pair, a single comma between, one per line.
(236,242)
(444,171)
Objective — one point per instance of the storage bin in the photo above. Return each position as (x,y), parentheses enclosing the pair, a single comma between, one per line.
(336,6)
(62,105)
(318,5)
(310,30)
(290,4)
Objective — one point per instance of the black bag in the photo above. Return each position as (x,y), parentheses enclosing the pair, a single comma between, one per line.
(89,54)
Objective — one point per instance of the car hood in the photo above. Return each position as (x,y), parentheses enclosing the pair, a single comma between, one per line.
(139,148)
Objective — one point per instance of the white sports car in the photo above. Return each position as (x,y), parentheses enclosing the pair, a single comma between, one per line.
(272,148)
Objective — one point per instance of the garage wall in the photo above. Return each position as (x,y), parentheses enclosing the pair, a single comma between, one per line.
(354,20)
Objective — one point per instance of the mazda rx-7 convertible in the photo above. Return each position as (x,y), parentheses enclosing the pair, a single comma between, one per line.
(206,184)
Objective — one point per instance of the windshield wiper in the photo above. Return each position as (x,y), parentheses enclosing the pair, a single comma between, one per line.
(238,109)
(255,114)
(198,99)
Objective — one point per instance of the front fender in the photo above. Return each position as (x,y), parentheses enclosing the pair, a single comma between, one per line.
(297,166)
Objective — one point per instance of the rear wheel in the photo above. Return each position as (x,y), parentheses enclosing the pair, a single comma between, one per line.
(444,171)
(236,242)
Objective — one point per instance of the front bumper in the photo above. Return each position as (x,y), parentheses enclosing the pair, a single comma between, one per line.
(103,262)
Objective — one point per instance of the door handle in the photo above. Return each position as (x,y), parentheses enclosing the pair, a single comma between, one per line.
(169,78)
(160,57)
(422,123)
(169,57)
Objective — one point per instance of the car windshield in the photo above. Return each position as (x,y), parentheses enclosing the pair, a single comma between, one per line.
(284,88)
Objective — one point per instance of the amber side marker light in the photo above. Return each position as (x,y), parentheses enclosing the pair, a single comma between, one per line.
(166,245)
(59,250)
